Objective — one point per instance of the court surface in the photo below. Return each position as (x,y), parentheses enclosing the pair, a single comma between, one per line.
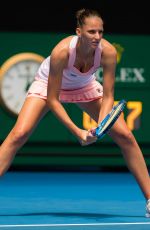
(71,201)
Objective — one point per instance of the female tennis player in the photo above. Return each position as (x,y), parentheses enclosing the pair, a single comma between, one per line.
(68,75)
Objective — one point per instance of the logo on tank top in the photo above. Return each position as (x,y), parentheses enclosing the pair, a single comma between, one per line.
(73,75)
(98,90)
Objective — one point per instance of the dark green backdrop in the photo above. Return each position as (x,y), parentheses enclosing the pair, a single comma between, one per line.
(51,143)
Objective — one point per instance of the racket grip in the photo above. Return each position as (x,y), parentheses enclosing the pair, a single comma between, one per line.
(93,132)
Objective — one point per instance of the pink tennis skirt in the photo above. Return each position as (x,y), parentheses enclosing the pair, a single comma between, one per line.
(91,92)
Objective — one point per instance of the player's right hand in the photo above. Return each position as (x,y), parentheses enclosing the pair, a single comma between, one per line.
(87,138)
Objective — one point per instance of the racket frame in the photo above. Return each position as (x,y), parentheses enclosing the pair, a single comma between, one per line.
(111,117)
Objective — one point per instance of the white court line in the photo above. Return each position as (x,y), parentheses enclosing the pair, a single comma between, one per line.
(68,225)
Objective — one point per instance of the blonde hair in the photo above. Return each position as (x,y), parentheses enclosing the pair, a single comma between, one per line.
(85,13)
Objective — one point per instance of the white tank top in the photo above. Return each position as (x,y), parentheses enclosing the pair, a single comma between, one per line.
(72,77)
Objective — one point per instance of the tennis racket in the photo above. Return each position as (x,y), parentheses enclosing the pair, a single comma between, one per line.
(110,119)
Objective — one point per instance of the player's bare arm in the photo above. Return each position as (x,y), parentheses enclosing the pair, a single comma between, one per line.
(59,60)
(108,63)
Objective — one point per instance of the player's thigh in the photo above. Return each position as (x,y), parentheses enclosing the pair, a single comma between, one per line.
(120,132)
(92,108)
(31,113)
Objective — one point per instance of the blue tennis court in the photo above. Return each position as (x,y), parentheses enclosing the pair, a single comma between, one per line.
(71,201)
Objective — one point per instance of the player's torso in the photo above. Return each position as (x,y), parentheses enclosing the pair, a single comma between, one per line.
(76,74)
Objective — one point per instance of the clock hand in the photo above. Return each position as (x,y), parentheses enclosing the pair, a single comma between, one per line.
(27,86)
(28,77)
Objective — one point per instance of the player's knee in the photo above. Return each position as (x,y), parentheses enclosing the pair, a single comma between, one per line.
(127,137)
(19,135)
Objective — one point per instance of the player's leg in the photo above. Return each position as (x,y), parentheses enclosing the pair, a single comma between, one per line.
(31,113)
(132,154)
(129,147)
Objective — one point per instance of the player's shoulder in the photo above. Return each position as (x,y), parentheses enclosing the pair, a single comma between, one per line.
(62,47)
(107,47)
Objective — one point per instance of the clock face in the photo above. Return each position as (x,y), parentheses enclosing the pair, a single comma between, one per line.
(16,75)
